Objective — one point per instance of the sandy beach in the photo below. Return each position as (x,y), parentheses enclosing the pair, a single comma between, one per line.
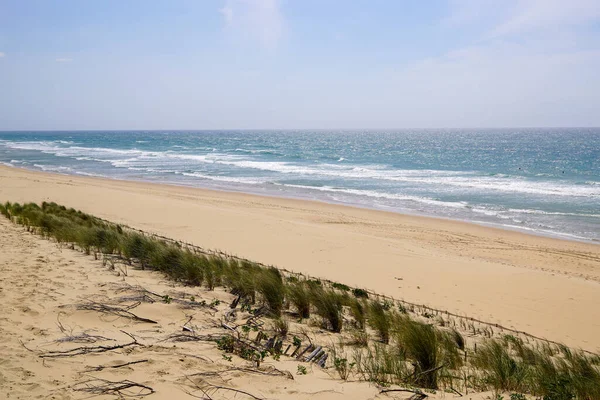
(544,286)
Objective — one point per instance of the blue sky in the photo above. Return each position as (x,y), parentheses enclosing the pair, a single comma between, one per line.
(220,64)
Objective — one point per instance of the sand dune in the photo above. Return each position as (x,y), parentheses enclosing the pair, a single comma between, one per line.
(43,330)
(544,286)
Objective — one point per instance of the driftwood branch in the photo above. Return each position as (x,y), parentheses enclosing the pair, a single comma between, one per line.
(87,350)
(419,395)
(122,312)
(122,389)
(101,367)
(271,371)
(207,388)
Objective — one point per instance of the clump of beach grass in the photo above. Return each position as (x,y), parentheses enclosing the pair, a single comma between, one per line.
(501,370)
(379,320)
(328,304)
(269,284)
(358,310)
(429,349)
(382,364)
(139,247)
(299,296)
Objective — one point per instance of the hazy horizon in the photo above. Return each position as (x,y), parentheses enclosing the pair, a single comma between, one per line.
(299,65)
(306,130)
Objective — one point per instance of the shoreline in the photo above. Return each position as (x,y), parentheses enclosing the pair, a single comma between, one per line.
(491,225)
(545,286)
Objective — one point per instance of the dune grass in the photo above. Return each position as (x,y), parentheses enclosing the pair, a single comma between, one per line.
(410,351)
(299,296)
(382,364)
(430,350)
(379,320)
(358,310)
(328,304)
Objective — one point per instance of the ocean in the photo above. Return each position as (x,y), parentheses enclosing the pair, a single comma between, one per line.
(544,181)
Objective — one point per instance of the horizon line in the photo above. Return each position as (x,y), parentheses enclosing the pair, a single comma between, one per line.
(292,129)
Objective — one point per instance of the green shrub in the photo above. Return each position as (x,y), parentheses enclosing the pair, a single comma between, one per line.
(340,286)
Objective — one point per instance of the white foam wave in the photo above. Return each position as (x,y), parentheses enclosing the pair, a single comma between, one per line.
(541,212)
(436,179)
(52,168)
(229,179)
(380,195)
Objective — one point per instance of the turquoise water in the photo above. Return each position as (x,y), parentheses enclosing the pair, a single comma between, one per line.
(543,181)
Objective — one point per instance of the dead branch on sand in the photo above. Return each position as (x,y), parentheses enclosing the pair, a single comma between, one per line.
(122,389)
(87,350)
(208,389)
(122,312)
(101,367)
(270,371)
(83,337)
(418,394)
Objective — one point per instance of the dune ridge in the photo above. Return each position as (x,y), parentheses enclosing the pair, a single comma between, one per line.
(105,239)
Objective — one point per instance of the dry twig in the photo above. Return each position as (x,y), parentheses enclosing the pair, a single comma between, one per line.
(118,311)
(98,386)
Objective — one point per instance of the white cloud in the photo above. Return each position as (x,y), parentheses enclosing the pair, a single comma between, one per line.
(1,54)
(541,15)
(512,17)
(227,12)
(533,63)
(64,60)
(262,19)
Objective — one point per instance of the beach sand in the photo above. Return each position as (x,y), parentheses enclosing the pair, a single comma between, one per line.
(544,286)
(43,288)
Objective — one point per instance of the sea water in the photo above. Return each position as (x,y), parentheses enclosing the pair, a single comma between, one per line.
(544,181)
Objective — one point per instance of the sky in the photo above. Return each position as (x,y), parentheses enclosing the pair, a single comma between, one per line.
(298,64)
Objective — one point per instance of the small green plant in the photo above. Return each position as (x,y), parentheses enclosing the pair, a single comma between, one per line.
(296,341)
(343,367)
(227,358)
(340,286)
(387,305)
(226,343)
(193,299)
(359,338)
(360,293)
(215,303)
(301,370)
(281,326)
(517,396)
(167,299)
